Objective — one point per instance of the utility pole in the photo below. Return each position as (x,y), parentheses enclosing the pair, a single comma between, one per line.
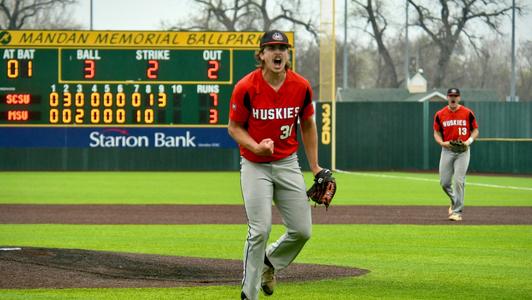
(407,49)
(344,85)
(512,83)
(91,16)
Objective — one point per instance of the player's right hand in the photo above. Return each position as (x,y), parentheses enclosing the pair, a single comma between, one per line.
(264,148)
(446,145)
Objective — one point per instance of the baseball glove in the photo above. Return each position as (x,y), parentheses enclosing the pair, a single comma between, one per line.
(323,189)
(458,146)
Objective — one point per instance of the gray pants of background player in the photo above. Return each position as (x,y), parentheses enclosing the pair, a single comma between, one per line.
(453,167)
(282,182)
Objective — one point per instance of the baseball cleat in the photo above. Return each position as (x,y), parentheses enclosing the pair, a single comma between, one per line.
(455,217)
(268,280)
(450,210)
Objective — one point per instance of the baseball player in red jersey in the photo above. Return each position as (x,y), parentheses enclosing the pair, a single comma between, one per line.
(452,123)
(265,108)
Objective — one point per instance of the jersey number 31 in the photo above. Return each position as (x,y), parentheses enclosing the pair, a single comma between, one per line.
(286,131)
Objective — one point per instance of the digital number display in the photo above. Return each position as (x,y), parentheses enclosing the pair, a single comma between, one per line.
(122,66)
(121,77)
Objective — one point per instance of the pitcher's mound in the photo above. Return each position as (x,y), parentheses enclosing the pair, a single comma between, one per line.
(30,267)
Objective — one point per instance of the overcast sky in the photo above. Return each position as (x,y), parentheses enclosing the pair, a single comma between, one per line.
(149,15)
(130,14)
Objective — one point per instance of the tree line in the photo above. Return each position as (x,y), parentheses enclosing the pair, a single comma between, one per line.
(459,42)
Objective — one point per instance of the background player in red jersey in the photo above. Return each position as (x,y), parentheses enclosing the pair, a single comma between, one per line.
(265,108)
(454,124)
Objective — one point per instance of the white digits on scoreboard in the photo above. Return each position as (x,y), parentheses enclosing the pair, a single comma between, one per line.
(177,88)
(120,96)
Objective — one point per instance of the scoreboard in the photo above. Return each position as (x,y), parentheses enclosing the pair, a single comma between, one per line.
(121,78)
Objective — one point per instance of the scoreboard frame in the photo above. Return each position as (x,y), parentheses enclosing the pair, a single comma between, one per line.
(202,103)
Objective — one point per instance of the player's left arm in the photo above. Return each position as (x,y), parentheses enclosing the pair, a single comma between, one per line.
(473,125)
(472,137)
(309,134)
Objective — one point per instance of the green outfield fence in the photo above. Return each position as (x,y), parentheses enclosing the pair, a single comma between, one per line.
(369,136)
(399,136)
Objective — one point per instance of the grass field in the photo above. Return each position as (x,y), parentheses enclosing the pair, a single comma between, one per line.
(369,188)
(406,261)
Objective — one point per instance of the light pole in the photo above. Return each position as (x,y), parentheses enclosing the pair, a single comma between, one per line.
(512,83)
(91,17)
(407,49)
(344,85)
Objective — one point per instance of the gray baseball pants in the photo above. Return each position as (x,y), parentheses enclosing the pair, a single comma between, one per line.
(453,167)
(281,182)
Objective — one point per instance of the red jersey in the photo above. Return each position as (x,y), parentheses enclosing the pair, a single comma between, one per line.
(455,125)
(266,113)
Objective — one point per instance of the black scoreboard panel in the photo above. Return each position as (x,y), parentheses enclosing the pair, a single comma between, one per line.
(121,78)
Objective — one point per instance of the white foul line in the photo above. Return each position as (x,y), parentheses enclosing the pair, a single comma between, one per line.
(436,180)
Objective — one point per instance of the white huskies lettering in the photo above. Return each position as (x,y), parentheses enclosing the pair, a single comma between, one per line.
(454,123)
(281,113)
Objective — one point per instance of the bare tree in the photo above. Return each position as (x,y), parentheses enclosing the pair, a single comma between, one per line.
(58,18)
(361,63)
(219,14)
(524,85)
(308,64)
(19,14)
(372,11)
(454,20)
(487,68)
(247,15)
(361,70)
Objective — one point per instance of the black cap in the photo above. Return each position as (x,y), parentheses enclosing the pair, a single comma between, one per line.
(273,37)
(453,92)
